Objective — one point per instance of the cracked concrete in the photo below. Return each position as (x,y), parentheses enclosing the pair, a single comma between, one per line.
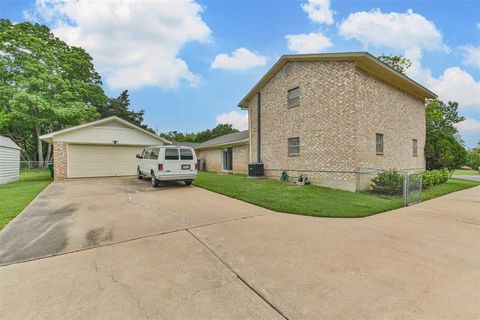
(134,252)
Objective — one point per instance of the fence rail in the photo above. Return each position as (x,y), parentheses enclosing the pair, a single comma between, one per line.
(33,165)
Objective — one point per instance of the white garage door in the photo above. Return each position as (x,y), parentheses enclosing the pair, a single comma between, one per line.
(101,161)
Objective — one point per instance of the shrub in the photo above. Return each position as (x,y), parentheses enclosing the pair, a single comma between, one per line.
(284,176)
(388,183)
(432,178)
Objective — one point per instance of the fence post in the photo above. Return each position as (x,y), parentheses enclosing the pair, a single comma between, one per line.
(405,189)
(357,182)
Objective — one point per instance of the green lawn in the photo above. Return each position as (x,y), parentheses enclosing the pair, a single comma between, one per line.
(450,186)
(311,200)
(17,195)
(466,172)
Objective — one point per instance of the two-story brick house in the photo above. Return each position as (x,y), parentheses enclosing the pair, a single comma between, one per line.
(326,115)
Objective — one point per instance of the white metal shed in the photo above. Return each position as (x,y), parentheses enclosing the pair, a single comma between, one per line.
(9,160)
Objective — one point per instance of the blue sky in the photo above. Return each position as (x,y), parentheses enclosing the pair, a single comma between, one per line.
(188,63)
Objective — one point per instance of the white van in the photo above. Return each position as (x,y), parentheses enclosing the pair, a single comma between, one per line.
(167,163)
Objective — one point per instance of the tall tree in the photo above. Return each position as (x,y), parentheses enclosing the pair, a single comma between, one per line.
(399,63)
(443,148)
(45,85)
(120,107)
(201,136)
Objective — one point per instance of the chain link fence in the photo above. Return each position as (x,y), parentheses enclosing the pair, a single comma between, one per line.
(403,184)
(33,165)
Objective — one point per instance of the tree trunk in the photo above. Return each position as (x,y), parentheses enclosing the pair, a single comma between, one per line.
(39,148)
(49,154)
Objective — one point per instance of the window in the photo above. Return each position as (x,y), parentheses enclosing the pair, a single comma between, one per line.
(146,154)
(294,146)
(379,143)
(186,154)
(293,97)
(415,147)
(154,153)
(171,154)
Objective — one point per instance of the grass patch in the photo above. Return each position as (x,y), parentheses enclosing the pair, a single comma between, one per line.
(17,195)
(286,197)
(466,172)
(450,186)
(312,200)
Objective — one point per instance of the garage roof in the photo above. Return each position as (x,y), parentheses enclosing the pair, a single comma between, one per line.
(49,136)
(363,60)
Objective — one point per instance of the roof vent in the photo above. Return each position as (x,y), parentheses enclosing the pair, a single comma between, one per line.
(287,69)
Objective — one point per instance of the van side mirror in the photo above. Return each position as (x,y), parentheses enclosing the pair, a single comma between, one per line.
(139,156)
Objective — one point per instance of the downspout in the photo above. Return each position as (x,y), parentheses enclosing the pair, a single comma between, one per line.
(258,127)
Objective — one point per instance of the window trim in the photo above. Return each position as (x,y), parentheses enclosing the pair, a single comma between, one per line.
(288,98)
(377,144)
(293,154)
(415,147)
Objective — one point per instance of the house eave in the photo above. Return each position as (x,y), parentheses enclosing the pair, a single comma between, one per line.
(364,61)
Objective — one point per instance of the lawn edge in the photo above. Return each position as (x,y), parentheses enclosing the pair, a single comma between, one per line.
(27,206)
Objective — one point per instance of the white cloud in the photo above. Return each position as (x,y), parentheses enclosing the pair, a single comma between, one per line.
(239,59)
(397,31)
(469,125)
(471,56)
(239,120)
(308,43)
(454,84)
(318,11)
(478,26)
(133,43)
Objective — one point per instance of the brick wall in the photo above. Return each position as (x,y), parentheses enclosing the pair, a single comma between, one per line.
(240,158)
(213,158)
(341,108)
(60,159)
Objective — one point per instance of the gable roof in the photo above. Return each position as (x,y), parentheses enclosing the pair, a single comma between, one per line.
(8,143)
(49,136)
(232,138)
(363,60)
(185,144)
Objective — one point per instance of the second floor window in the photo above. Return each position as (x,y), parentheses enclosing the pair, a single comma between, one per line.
(293,97)
(379,143)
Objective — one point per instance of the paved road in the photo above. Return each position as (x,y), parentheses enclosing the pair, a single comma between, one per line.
(119,249)
(467,177)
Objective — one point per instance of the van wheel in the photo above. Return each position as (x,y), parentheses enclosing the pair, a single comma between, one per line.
(139,174)
(188,182)
(155,181)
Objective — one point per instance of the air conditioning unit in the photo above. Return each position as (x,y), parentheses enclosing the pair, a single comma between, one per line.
(256,170)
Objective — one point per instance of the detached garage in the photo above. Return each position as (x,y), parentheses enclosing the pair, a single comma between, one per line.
(9,160)
(103,148)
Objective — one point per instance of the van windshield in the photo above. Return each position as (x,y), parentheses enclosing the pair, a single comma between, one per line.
(186,154)
(171,154)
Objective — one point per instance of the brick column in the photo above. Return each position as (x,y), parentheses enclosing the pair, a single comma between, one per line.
(60,160)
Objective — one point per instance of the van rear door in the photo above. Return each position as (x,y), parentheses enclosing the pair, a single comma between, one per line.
(187,160)
(172,163)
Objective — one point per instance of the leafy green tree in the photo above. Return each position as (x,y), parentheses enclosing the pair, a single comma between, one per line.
(473,158)
(202,136)
(45,85)
(120,107)
(443,149)
(399,63)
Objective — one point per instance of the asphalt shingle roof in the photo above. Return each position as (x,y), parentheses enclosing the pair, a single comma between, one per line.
(225,139)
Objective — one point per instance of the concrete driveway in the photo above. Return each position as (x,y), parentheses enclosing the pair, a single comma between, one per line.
(118,249)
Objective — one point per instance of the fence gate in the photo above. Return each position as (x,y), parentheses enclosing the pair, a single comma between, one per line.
(412,188)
